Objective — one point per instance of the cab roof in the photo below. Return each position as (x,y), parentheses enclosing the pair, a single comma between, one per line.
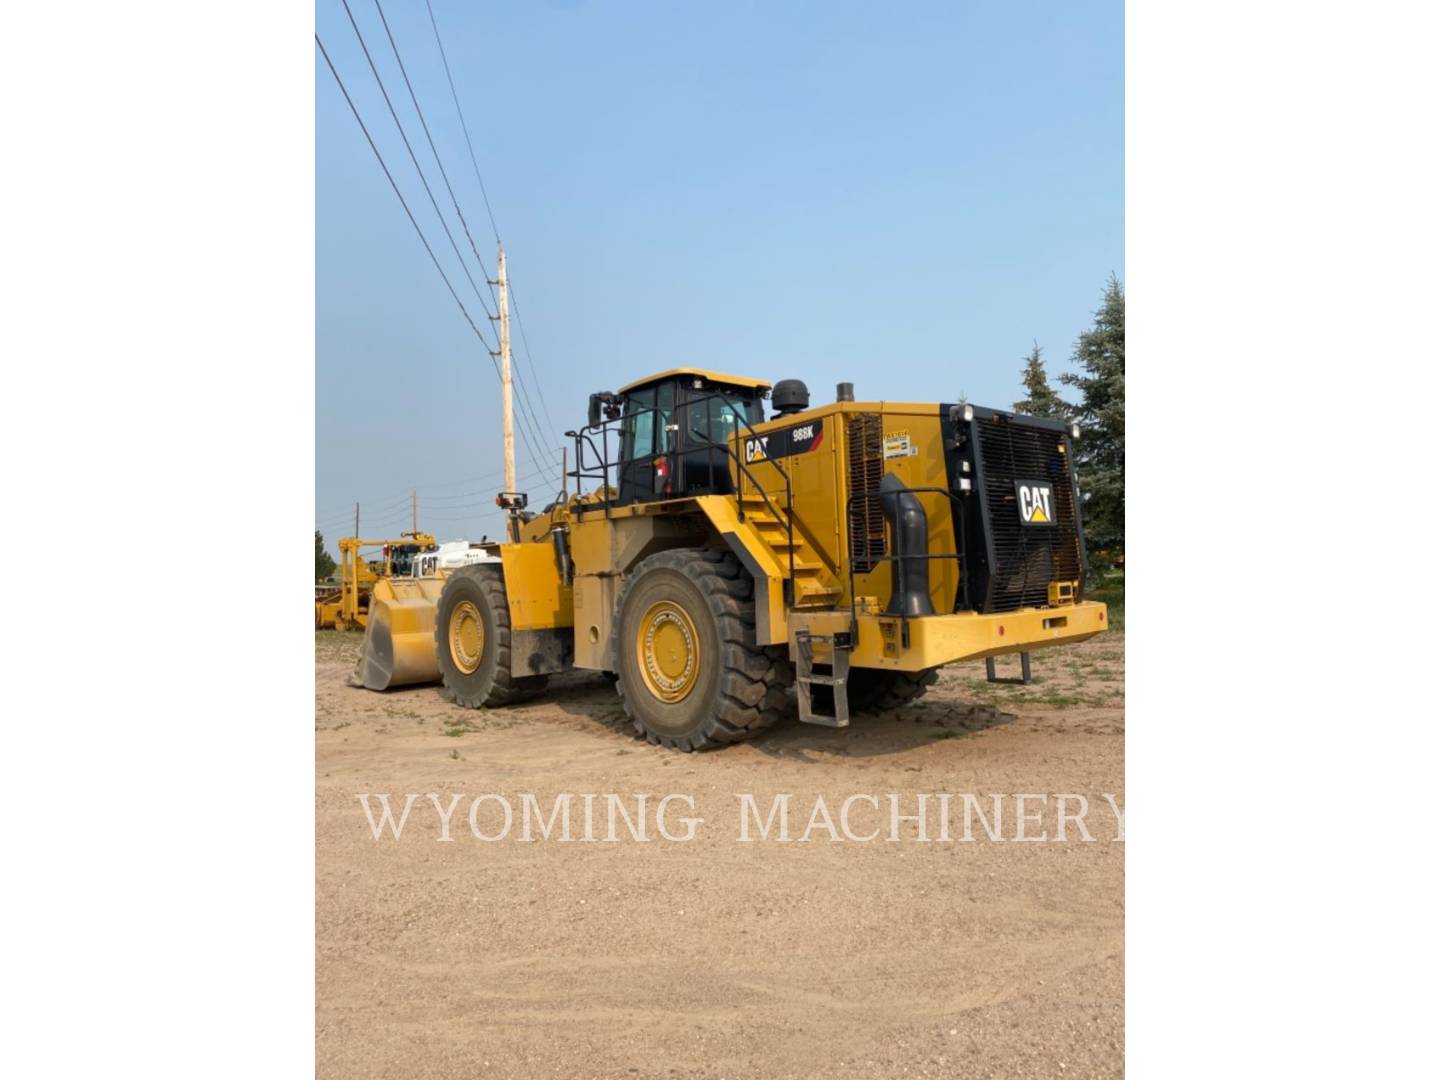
(711,376)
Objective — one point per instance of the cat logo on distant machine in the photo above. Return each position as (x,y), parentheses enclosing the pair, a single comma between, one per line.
(1035,500)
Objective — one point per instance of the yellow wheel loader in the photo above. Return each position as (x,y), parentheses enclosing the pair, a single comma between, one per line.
(723,558)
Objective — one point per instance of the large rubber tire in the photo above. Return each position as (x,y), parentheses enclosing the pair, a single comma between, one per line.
(490,683)
(739,688)
(870,690)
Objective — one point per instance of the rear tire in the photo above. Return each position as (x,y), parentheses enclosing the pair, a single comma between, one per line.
(472,642)
(871,690)
(691,675)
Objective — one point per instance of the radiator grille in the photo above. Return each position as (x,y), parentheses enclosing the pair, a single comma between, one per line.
(867,466)
(1027,558)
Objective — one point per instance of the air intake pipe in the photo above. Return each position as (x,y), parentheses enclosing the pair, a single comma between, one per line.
(909,568)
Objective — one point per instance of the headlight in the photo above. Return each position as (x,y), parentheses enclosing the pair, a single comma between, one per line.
(1074,431)
(967,413)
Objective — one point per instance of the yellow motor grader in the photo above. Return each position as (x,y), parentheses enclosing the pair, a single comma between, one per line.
(346,605)
(721,558)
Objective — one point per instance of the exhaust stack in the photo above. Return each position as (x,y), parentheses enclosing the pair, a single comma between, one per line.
(909,575)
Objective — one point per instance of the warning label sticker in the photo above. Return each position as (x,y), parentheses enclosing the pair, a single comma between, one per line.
(897,445)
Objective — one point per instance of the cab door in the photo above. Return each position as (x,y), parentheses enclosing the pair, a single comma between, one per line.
(647,437)
(705,425)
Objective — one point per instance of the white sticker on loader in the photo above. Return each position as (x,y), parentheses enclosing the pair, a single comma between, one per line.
(898,445)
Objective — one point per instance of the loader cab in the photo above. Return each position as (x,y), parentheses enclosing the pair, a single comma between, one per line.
(675,431)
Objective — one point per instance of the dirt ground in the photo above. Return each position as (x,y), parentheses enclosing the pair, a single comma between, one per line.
(719,958)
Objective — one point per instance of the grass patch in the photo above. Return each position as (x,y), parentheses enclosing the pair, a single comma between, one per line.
(455,728)
(1108,587)
(1058,699)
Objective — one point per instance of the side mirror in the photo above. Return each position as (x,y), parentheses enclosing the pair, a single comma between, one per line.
(594,416)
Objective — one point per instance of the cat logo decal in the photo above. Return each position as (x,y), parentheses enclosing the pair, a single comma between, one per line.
(1035,500)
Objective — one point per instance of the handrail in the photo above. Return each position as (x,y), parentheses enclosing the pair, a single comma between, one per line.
(604,427)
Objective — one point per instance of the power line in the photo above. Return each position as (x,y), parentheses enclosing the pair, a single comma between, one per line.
(526,403)
(475,164)
(529,468)
(402,499)
(463,127)
(395,187)
(389,176)
(398,504)
(536,428)
(528,410)
(465,519)
(436,153)
(438,502)
(416,161)
(525,340)
(528,413)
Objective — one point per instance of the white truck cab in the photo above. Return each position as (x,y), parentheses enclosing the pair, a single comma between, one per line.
(451,555)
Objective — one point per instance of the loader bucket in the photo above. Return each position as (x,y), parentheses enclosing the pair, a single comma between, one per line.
(399,645)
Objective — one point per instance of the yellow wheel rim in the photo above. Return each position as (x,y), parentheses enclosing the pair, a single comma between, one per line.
(467,637)
(667,647)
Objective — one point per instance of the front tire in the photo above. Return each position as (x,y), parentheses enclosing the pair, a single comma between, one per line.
(691,675)
(472,642)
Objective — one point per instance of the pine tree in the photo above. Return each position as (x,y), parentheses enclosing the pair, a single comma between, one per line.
(1040,399)
(324,564)
(1100,355)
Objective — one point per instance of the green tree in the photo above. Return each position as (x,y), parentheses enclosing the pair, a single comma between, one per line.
(1100,453)
(1040,397)
(324,564)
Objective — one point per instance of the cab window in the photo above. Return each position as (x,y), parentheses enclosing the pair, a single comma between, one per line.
(664,418)
(714,421)
(638,439)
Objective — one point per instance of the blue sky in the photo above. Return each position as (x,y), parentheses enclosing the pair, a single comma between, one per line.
(901,196)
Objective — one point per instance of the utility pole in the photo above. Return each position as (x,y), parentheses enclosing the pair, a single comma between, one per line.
(414,515)
(506,404)
(357,519)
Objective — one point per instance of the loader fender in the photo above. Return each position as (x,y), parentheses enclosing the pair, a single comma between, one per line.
(539,598)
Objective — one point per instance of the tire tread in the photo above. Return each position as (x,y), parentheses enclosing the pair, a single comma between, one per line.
(754,679)
(506,688)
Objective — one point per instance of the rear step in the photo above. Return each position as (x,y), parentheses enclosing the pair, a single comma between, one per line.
(805,677)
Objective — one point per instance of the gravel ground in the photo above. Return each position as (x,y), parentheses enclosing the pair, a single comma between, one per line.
(719,958)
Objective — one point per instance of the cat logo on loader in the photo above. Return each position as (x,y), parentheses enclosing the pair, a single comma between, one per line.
(1033,499)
